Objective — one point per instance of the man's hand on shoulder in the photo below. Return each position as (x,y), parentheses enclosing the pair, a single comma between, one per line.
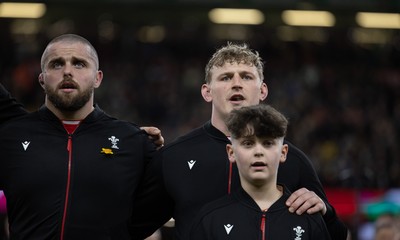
(155,136)
(304,200)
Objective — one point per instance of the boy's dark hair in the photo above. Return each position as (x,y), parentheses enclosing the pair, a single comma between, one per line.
(260,120)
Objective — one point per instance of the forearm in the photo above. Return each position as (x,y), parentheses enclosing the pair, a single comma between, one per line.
(152,206)
(9,107)
(337,229)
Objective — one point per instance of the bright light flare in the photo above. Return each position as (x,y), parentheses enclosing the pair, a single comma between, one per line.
(236,16)
(22,10)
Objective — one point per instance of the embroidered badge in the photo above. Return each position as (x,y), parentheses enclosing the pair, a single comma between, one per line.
(106,151)
(299,232)
(114,142)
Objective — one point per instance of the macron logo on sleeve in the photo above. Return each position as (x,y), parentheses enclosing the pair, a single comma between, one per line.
(25,145)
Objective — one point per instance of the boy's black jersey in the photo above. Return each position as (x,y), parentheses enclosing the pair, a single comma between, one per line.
(237,217)
(195,170)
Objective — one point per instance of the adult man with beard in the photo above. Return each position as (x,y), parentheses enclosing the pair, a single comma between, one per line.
(68,170)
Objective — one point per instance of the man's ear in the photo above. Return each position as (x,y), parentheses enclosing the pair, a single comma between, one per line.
(229,151)
(284,151)
(99,78)
(264,91)
(41,80)
(206,92)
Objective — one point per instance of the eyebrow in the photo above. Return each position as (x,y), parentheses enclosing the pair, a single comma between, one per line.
(58,59)
(77,59)
(73,59)
(241,73)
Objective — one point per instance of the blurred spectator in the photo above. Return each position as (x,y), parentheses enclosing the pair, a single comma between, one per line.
(387,227)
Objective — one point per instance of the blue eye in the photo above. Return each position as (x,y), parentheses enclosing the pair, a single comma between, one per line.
(79,65)
(56,65)
(269,143)
(225,78)
(247,143)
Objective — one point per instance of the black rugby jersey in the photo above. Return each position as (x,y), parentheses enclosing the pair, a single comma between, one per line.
(237,217)
(71,186)
(195,170)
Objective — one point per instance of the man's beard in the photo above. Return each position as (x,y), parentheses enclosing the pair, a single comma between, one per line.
(68,102)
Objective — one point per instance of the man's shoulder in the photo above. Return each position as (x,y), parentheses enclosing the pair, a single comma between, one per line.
(121,129)
(21,126)
(109,122)
(122,123)
(195,135)
(22,120)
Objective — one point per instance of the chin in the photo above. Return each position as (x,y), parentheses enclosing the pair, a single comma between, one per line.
(234,107)
(259,180)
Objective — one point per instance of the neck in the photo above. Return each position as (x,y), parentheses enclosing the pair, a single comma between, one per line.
(264,195)
(219,123)
(79,114)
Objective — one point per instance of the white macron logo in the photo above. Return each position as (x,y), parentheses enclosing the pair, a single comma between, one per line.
(228,228)
(25,145)
(299,232)
(191,164)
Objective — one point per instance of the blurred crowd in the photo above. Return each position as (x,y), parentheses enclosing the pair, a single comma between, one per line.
(342,99)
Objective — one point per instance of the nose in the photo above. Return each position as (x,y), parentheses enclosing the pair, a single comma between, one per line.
(67,69)
(258,154)
(258,150)
(236,81)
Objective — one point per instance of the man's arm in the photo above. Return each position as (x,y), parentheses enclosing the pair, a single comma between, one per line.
(309,195)
(9,107)
(152,206)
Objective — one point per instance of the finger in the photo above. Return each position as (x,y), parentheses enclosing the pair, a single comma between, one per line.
(306,204)
(159,141)
(160,144)
(320,206)
(304,200)
(153,131)
(295,195)
(309,202)
(316,208)
(155,136)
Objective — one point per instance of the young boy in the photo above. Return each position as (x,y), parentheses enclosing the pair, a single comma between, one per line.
(257,210)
